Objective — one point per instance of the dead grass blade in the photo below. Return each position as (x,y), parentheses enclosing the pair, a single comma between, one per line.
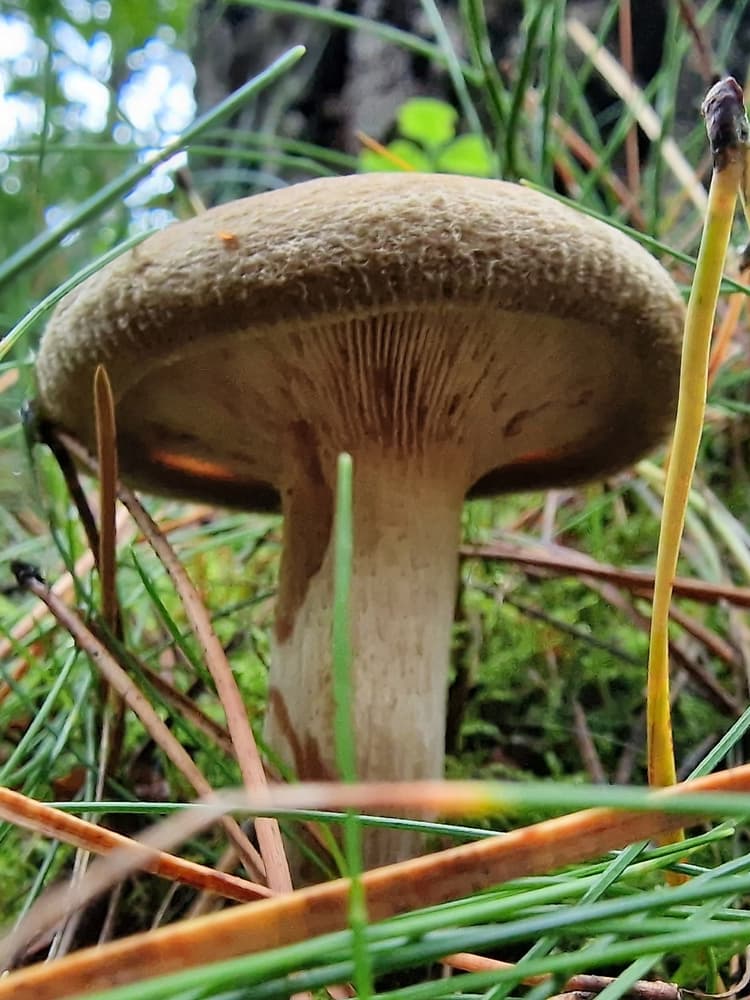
(395,889)
(632,96)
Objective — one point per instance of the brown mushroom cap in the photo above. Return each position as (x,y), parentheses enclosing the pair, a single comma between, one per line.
(455,335)
(399,309)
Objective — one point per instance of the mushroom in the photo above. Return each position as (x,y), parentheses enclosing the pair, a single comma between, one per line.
(456,336)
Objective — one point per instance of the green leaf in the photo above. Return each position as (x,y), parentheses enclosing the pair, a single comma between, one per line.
(427,121)
(469,154)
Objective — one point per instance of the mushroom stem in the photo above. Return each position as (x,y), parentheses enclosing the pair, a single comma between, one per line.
(406,526)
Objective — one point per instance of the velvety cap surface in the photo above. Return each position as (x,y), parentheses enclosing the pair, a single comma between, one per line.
(397,310)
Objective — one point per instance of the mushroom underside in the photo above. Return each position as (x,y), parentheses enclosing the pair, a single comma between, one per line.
(430,403)
(517,392)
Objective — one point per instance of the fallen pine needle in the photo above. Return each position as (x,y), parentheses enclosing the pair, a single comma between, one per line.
(62,589)
(25,812)
(643,989)
(123,684)
(251,766)
(390,891)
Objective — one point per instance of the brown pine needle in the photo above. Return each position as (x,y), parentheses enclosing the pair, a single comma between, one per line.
(248,757)
(396,889)
(25,812)
(106,448)
(134,698)
(377,147)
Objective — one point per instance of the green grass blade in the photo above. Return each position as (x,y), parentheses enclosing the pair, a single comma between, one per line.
(14,336)
(454,65)
(478,38)
(344,735)
(525,72)
(35,249)
(353,22)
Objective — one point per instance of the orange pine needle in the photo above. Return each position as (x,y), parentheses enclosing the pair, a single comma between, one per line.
(377,147)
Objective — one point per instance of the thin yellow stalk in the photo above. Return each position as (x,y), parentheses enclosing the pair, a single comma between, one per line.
(726,124)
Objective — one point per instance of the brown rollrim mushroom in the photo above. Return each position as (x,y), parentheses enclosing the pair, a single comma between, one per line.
(456,336)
